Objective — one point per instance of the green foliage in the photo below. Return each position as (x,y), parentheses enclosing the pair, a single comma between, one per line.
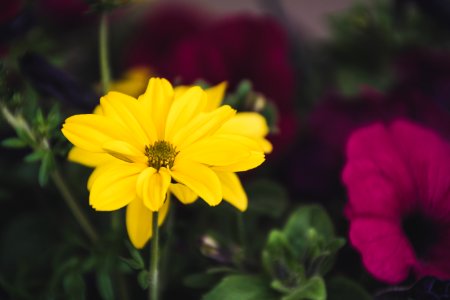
(37,135)
(295,260)
(243,287)
(144,279)
(14,143)
(245,98)
(312,289)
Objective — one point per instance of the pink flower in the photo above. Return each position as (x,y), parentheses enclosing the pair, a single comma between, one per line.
(398,182)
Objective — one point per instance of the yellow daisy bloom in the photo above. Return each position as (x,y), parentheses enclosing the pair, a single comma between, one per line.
(248,124)
(161,142)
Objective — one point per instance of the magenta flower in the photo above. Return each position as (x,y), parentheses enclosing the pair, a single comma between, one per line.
(398,181)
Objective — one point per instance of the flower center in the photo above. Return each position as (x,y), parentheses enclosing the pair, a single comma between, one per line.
(161,154)
(422,233)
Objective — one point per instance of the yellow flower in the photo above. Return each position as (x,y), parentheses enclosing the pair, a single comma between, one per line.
(161,142)
(248,124)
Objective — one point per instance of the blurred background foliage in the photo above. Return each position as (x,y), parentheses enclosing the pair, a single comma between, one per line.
(382,59)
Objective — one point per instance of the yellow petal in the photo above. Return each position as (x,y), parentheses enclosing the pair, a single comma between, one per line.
(139,221)
(250,143)
(98,110)
(180,90)
(216,151)
(90,131)
(266,146)
(114,186)
(202,125)
(200,179)
(183,110)
(232,190)
(133,82)
(152,187)
(249,124)
(125,152)
(255,159)
(87,158)
(157,100)
(215,96)
(183,193)
(130,114)
(98,171)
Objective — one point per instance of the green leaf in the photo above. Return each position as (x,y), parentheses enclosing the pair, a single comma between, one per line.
(137,262)
(25,136)
(242,287)
(39,117)
(351,81)
(270,113)
(307,228)
(201,280)
(267,198)
(46,168)
(322,263)
(313,289)
(35,156)
(144,279)
(245,87)
(343,288)
(131,263)
(74,286)
(105,285)
(54,117)
(277,256)
(14,143)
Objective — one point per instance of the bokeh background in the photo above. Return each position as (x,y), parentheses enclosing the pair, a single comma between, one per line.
(317,70)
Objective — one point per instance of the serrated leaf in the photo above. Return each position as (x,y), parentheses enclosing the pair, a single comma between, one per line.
(242,287)
(144,279)
(105,285)
(343,288)
(313,289)
(14,143)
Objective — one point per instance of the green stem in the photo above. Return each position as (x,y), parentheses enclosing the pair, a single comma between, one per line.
(105,71)
(154,257)
(105,74)
(73,205)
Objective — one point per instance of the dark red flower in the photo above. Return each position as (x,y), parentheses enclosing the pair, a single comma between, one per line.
(181,44)
(398,182)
